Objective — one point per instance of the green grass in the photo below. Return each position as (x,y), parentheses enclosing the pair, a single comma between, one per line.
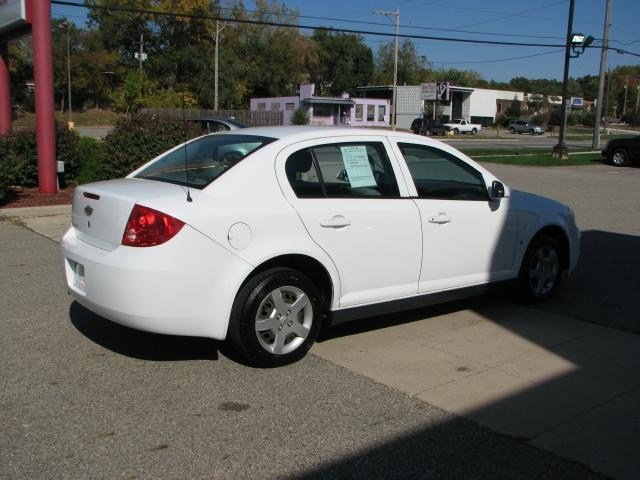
(531,157)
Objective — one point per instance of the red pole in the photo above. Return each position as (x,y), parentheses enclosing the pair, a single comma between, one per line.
(43,76)
(5,90)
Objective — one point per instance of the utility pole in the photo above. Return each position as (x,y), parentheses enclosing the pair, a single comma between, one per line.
(215,65)
(388,14)
(141,54)
(560,150)
(626,88)
(67,25)
(603,62)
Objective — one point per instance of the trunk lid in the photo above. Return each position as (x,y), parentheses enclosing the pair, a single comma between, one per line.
(101,210)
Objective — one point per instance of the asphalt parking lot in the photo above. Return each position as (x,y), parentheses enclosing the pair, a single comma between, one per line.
(83,398)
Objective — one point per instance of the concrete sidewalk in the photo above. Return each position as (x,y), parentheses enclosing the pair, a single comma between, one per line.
(563,385)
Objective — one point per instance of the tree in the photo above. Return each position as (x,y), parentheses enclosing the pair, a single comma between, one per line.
(343,62)
(412,68)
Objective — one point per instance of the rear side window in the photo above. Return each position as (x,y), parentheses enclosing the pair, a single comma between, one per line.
(438,174)
(342,170)
(201,161)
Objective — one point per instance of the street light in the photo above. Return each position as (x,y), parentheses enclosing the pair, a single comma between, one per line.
(576,43)
(67,26)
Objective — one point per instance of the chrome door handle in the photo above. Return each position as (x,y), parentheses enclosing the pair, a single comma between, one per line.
(337,221)
(441,218)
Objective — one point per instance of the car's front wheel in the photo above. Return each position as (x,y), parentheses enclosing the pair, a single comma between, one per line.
(541,269)
(275,318)
(619,157)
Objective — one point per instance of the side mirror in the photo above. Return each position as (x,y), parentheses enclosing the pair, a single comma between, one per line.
(497,190)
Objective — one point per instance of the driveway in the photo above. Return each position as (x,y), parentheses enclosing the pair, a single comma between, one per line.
(482,388)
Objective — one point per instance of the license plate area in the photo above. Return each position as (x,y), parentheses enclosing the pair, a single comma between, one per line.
(75,275)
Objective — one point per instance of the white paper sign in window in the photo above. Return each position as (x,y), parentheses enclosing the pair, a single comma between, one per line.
(356,161)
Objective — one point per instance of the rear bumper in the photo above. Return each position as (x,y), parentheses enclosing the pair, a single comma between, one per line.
(184,287)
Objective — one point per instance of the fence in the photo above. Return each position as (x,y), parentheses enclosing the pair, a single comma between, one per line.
(253,118)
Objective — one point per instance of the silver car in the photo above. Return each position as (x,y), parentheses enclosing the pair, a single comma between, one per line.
(522,126)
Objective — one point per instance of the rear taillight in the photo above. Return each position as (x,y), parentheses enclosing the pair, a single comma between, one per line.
(148,227)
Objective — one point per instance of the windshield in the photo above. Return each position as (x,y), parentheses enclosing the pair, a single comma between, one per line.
(202,160)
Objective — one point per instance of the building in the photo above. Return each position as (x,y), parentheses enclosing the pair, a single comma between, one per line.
(478,105)
(344,110)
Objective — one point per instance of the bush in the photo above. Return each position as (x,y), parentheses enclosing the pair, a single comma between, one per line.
(7,170)
(91,163)
(134,141)
(19,156)
(299,117)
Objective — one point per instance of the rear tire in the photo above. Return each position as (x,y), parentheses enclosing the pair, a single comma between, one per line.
(456,131)
(276,318)
(541,269)
(512,130)
(474,131)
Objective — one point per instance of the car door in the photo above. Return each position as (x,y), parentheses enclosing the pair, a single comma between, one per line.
(347,194)
(468,239)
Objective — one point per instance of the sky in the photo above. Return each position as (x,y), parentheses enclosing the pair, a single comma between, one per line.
(532,22)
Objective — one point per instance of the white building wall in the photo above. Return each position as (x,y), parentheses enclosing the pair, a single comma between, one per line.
(410,105)
(484,101)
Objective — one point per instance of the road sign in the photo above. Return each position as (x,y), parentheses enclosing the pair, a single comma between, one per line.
(428,91)
(141,56)
(442,91)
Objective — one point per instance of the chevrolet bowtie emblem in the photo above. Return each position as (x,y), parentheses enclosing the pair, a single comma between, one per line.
(88,210)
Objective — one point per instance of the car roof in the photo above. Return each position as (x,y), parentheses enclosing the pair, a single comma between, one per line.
(293,133)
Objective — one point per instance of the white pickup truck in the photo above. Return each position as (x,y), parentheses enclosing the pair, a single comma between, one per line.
(460,125)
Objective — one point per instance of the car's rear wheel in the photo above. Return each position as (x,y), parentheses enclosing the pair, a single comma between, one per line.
(474,131)
(531,132)
(620,157)
(456,131)
(512,130)
(275,318)
(427,132)
(541,269)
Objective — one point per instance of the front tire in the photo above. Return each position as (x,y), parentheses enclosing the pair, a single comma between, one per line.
(620,157)
(541,269)
(275,318)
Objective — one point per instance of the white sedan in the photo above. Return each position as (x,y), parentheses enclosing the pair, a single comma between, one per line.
(263,235)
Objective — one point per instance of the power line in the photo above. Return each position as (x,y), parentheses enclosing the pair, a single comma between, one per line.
(303,27)
(328,29)
(499,59)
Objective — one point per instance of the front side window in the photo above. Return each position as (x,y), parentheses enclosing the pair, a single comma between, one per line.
(343,170)
(438,174)
(201,161)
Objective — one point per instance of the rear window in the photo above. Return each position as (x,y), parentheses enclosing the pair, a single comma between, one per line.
(201,161)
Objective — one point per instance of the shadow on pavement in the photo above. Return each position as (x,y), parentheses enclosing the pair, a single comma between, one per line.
(138,344)
(574,391)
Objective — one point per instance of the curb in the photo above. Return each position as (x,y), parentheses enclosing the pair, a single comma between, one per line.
(30,212)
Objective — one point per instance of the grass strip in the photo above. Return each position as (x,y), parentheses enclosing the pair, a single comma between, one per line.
(539,159)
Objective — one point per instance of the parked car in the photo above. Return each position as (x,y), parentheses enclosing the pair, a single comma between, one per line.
(522,126)
(623,151)
(218,124)
(427,126)
(259,236)
(460,125)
